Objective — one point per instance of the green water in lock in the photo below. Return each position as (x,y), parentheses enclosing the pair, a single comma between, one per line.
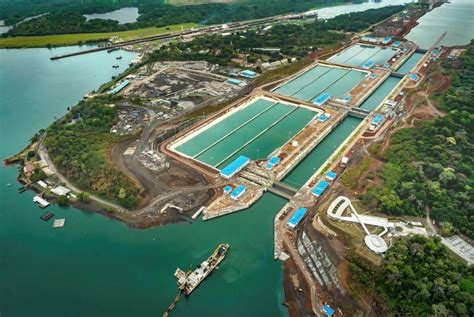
(358,55)
(275,137)
(410,63)
(322,79)
(216,132)
(380,93)
(316,158)
(219,152)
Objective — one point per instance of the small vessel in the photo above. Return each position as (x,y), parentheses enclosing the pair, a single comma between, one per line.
(118,57)
(110,50)
(46,216)
(59,223)
(188,281)
(115,66)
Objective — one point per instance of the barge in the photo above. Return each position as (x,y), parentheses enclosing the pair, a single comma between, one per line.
(188,281)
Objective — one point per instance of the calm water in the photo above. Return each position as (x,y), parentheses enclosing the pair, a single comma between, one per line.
(124,15)
(410,63)
(95,266)
(320,79)
(316,158)
(35,90)
(380,93)
(455,17)
(331,12)
(358,55)
(98,267)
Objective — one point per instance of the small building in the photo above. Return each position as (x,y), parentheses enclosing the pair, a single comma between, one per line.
(344,161)
(370,39)
(227,189)
(321,99)
(386,40)
(40,201)
(60,191)
(377,120)
(296,218)
(248,74)
(234,81)
(272,162)
(331,175)
(320,188)
(42,184)
(324,117)
(328,311)
(237,192)
(368,64)
(236,166)
(121,86)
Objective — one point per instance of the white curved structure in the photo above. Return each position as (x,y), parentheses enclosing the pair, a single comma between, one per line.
(374,242)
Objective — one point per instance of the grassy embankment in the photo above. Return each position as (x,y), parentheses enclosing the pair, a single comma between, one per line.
(80,38)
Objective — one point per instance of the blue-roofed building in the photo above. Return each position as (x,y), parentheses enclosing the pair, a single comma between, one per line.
(370,39)
(272,162)
(248,73)
(377,120)
(236,166)
(320,187)
(328,310)
(324,117)
(234,81)
(368,64)
(386,40)
(227,189)
(397,43)
(296,217)
(121,86)
(321,99)
(331,175)
(237,192)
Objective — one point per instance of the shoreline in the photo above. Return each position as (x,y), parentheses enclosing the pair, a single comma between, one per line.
(37,41)
(292,299)
(73,39)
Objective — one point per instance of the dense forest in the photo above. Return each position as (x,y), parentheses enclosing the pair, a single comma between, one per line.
(79,143)
(430,168)
(294,40)
(66,16)
(419,277)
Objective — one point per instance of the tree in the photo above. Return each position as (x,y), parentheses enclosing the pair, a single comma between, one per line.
(83,197)
(63,200)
